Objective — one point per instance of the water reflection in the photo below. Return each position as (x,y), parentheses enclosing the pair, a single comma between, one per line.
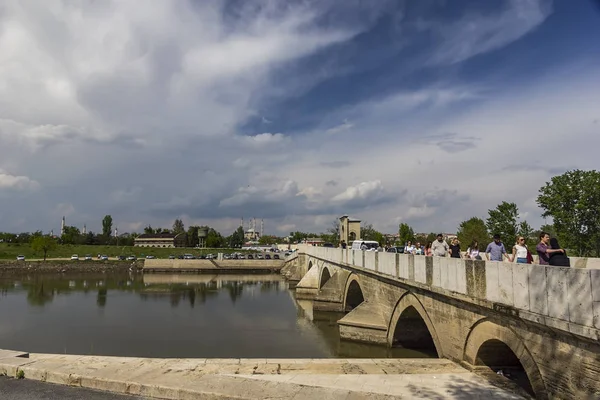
(159,315)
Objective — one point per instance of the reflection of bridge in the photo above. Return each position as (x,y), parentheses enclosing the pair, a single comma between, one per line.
(539,323)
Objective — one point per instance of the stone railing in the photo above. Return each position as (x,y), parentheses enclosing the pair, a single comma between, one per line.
(564,298)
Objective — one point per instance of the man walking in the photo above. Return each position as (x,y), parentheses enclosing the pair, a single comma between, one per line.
(495,251)
(439,247)
(544,250)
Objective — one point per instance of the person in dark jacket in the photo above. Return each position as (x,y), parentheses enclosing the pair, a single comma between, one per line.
(558,259)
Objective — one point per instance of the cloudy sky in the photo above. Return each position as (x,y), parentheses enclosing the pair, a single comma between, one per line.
(428,112)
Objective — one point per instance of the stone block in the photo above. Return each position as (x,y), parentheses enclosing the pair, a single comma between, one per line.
(428,271)
(491,281)
(557,292)
(520,281)
(470,277)
(595,278)
(538,299)
(387,263)
(369,257)
(505,283)
(411,267)
(420,269)
(479,273)
(443,262)
(437,270)
(461,278)
(403,266)
(580,297)
(452,270)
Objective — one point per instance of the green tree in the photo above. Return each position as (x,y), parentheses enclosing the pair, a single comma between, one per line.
(473,229)
(369,233)
(178,227)
(549,229)
(527,232)
(43,244)
(237,238)
(405,233)
(268,240)
(214,239)
(504,221)
(71,235)
(572,200)
(107,226)
(333,232)
(192,236)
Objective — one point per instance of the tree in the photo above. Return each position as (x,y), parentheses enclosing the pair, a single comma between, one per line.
(503,220)
(71,235)
(268,240)
(237,238)
(405,233)
(473,229)
(107,226)
(43,244)
(192,236)
(214,239)
(527,232)
(334,232)
(369,233)
(178,227)
(572,199)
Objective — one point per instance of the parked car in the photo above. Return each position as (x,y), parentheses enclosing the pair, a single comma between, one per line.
(259,256)
(275,256)
(121,258)
(242,257)
(268,256)
(202,257)
(74,257)
(88,257)
(250,257)
(131,258)
(328,245)
(189,257)
(171,257)
(210,256)
(103,257)
(397,249)
(226,256)
(150,257)
(20,258)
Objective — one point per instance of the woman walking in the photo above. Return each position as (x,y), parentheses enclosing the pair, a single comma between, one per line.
(473,251)
(520,252)
(428,251)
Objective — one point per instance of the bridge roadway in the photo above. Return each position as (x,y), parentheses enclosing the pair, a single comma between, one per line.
(540,322)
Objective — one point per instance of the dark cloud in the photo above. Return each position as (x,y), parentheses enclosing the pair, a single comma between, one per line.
(331,183)
(335,164)
(452,142)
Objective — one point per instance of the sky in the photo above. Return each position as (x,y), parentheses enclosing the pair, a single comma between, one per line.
(294,112)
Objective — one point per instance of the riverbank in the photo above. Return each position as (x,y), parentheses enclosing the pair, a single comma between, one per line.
(69,266)
(256,378)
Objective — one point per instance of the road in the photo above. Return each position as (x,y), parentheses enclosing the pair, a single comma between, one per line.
(26,389)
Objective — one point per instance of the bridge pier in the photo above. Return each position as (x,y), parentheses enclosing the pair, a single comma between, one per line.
(364,324)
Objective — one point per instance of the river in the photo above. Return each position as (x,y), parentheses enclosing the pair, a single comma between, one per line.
(160,315)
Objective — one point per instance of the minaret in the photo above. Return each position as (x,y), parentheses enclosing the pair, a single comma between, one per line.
(84,231)
(262,227)
(62,226)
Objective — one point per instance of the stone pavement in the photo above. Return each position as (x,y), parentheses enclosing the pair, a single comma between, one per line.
(345,379)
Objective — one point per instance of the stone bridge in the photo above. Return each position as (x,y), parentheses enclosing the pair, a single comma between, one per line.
(540,324)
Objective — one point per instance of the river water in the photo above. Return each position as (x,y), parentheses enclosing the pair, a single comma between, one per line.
(160,315)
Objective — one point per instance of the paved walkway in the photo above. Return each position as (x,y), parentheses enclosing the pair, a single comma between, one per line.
(258,378)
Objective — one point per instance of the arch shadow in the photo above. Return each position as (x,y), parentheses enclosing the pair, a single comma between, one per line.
(409,307)
(324,277)
(353,293)
(495,346)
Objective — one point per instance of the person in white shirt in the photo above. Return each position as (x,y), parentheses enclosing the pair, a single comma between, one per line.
(519,253)
(409,248)
(439,247)
(473,251)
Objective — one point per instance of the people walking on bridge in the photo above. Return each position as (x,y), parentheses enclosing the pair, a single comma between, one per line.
(419,249)
(343,244)
(439,247)
(473,251)
(496,251)
(558,259)
(427,250)
(544,250)
(409,248)
(455,248)
(520,253)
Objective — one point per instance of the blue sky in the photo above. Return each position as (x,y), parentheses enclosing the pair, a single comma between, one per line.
(426,112)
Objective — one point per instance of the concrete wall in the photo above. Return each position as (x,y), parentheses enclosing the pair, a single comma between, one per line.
(548,316)
(211,265)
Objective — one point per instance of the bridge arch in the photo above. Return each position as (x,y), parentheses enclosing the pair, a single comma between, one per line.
(410,324)
(498,347)
(353,293)
(324,276)
(310,265)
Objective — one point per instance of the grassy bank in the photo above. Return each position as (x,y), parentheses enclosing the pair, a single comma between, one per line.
(10,251)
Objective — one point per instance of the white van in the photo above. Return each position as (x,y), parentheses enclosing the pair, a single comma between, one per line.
(371,244)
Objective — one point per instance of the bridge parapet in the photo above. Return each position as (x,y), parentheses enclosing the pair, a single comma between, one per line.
(566,299)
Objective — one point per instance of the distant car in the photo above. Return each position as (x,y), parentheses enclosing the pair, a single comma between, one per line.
(74,257)
(171,257)
(328,245)
(20,258)
(88,257)
(397,249)
(226,256)
(103,257)
(275,256)
(131,258)
(242,257)
(189,257)
(121,258)
(260,256)
(210,256)
(150,257)
(250,257)
(202,257)
(268,256)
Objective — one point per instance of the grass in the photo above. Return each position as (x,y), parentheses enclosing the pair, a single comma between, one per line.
(10,251)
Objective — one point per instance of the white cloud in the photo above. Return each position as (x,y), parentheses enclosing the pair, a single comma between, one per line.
(363,191)
(17,182)
(340,128)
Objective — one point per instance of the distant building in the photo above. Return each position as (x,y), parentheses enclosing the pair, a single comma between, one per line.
(349,229)
(161,240)
(314,241)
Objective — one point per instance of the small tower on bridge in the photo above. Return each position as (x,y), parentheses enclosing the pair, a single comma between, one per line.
(349,229)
